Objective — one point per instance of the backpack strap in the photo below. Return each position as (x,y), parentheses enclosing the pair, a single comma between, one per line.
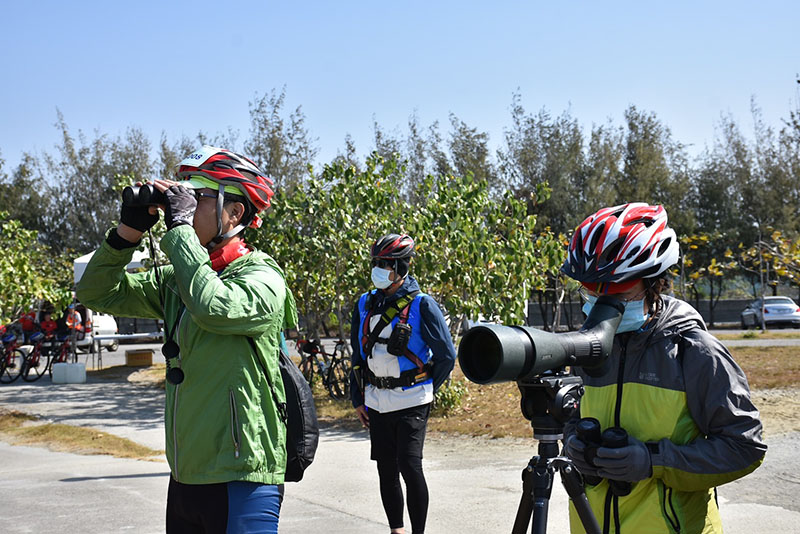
(416,360)
(368,339)
(280,405)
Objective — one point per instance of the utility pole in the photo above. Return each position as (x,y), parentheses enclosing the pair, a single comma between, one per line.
(761,276)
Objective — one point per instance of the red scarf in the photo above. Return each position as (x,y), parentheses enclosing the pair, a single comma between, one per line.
(221,257)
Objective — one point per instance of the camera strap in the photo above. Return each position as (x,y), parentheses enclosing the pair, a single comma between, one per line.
(368,338)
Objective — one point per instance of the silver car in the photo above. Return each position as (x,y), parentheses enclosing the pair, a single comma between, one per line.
(778,311)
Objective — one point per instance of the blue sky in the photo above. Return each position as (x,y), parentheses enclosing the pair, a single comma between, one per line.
(182,67)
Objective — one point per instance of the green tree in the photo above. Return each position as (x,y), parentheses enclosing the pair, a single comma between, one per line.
(30,271)
(83,185)
(655,169)
(281,147)
(321,232)
(544,151)
(477,255)
(469,152)
(23,195)
(705,268)
(169,155)
(473,253)
(604,159)
(775,178)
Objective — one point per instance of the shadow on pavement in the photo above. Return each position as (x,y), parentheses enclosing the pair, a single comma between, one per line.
(112,477)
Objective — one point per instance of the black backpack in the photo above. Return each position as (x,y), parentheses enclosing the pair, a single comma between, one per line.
(298,413)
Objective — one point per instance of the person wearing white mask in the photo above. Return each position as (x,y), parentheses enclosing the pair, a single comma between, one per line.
(669,384)
(402,354)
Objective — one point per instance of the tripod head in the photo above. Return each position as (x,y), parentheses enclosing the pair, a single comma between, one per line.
(550,400)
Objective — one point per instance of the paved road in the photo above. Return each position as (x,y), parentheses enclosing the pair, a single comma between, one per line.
(474,483)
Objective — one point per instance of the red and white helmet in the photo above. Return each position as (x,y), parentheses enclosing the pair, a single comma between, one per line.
(235,173)
(621,244)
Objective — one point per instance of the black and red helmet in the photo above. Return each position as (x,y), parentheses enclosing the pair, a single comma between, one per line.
(238,174)
(621,244)
(393,247)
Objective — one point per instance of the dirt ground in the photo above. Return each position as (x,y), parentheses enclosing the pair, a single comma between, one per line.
(780,410)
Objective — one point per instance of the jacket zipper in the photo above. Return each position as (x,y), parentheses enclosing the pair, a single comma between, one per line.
(620,378)
(175,403)
(234,425)
(676,525)
(617,410)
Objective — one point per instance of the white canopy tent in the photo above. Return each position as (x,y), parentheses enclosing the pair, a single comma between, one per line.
(79,264)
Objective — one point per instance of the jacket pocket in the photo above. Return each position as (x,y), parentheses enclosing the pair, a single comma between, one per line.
(667,508)
(234,424)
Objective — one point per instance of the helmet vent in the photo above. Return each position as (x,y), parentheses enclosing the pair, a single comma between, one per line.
(641,259)
(664,246)
(596,237)
(609,255)
(647,221)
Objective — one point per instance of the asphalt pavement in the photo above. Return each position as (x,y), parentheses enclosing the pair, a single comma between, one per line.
(474,482)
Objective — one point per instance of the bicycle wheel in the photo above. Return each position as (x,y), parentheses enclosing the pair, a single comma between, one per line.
(36,365)
(307,368)
(60,355)
(338,380)
(14,361)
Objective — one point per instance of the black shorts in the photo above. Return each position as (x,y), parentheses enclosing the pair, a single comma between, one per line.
(400,433)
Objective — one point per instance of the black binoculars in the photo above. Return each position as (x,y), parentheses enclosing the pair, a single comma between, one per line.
(143,195)
(588,431)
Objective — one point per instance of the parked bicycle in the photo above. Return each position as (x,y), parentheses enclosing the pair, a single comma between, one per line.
(63,352)
(333,368)
(12,358)
(37,362)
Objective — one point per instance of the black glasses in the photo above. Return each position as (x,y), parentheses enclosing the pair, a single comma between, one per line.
(200,194)
(382,263)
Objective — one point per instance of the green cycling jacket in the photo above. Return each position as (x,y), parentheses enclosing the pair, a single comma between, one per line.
(677,388)
(221,422)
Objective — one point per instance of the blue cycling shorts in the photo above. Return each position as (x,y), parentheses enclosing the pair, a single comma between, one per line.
(230,507)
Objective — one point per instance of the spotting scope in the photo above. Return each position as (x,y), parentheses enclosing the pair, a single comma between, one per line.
(495,353)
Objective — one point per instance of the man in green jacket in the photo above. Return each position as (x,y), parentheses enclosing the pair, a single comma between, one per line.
(224,306)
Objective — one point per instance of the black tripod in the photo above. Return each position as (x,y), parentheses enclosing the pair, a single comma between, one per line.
(548,401)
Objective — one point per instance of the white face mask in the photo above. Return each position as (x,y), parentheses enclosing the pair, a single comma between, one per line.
(380,277)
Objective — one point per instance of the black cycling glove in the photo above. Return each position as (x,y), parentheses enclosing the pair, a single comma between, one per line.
(138,217)
(180,207)
(574,450)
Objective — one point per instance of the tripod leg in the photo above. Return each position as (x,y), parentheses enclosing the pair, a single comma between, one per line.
(574,486)
(525,508)
(542,487)
(537,484)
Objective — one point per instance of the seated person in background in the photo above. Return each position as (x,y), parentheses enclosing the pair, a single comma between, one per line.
(28,323)
(48,325)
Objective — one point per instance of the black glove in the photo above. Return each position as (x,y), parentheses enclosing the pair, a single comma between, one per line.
(138,218)
(573,449)
(180,207)
(631,463)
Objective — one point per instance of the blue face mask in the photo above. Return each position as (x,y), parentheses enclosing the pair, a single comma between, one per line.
(632,320)
(380,277)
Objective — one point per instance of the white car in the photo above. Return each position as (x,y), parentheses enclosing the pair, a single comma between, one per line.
(102,325)
(778,311)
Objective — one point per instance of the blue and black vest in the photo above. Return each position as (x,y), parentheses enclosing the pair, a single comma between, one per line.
(416,345)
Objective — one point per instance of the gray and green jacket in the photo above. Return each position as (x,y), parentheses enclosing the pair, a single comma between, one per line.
(677,388)
(221,423)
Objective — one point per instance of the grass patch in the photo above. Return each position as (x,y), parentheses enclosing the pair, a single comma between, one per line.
(758,334)
(24,429)
(769,367)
